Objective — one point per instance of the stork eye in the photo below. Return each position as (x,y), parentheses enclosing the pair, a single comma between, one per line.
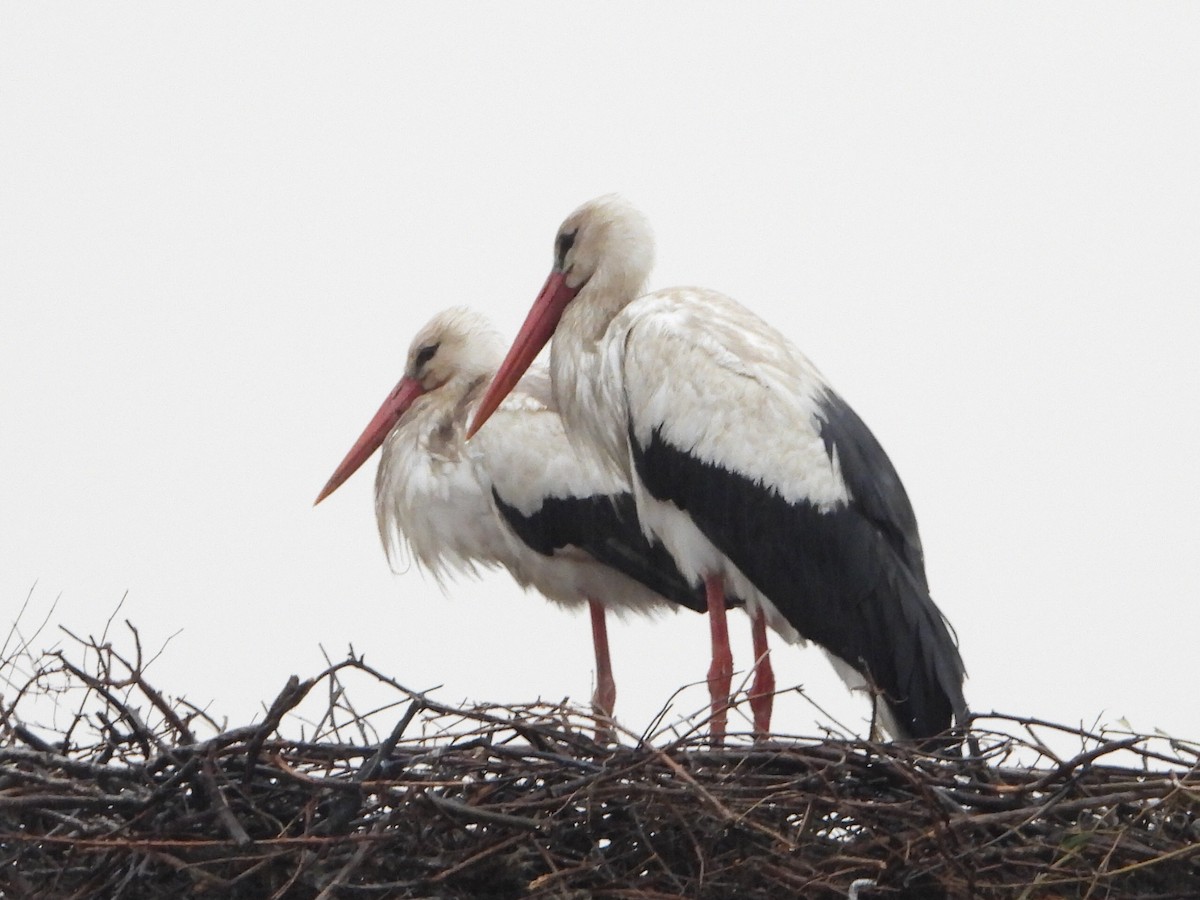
(425,354)
(562,247)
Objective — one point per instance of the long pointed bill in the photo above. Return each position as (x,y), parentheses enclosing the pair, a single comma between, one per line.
(398,401)
(539,325)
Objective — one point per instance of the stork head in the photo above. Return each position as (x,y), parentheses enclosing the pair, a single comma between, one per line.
(456,348)
(603,251)
(607,244)
(458,344)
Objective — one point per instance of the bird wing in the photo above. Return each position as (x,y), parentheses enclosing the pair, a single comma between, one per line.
(554,499)
(731,424)
(872,481)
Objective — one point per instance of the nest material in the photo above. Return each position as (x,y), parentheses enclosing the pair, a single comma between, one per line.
(128,800)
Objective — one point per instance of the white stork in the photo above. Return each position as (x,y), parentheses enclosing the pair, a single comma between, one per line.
(757,477)
(518,497)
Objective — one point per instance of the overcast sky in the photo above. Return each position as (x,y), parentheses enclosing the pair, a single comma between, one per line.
(221,224)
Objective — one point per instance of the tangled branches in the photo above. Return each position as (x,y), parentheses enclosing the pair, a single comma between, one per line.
(137,795)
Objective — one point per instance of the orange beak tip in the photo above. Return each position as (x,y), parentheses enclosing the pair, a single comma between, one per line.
(325,492)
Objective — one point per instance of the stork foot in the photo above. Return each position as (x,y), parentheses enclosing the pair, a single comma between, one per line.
(762,690)
(603,700)
(605,730)
(605,696)
(720,673)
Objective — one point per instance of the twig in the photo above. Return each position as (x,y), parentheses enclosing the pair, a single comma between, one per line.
(216,796)
(477,814)
(290,697)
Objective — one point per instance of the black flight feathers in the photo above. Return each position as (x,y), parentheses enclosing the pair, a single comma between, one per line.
(607,528)
(851,579)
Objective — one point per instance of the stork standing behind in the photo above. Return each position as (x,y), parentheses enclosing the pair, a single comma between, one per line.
(758,478)
(518,497)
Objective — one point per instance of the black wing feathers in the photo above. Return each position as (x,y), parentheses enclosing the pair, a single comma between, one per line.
(841,577)
(607,528)
(875,488)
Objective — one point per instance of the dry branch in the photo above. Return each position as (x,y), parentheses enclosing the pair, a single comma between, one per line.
(139,796)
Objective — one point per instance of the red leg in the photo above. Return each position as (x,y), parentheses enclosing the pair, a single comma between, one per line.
(606,688)
(762,692)
(720,673)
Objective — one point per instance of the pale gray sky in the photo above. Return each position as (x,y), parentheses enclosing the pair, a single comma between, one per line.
(221,224)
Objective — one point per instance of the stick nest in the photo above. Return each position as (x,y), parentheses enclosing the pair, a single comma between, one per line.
(136,795)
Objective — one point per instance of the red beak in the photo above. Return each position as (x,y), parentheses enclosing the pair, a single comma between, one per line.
(539,326)
(397,403)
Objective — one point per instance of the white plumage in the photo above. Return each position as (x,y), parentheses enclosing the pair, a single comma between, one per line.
(756,476)
(454,505)
(729,371)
